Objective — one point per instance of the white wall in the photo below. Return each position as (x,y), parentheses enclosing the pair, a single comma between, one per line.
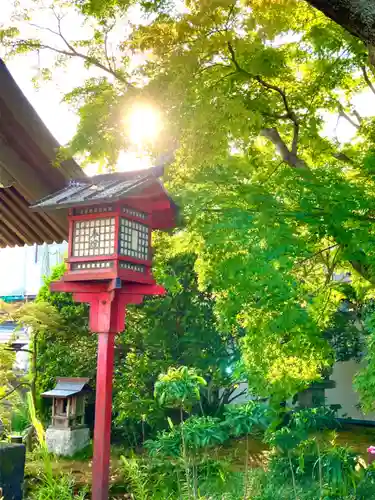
(22,268)
(344,393)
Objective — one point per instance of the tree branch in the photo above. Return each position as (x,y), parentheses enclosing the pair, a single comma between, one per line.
(343,114)
(14,389)
(290,114)
(289,157)
(106,50)
(318,253)
(343,157)
(357,115)
(73,53)
(367,79)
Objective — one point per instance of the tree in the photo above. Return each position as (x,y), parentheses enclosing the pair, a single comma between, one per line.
(176,329)
(179,329)
(272,208)
(356,17)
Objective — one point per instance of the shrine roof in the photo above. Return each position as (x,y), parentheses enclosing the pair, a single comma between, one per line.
(67,387)
(27,173)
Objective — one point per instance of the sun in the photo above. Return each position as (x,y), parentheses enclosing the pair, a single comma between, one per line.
(143,124)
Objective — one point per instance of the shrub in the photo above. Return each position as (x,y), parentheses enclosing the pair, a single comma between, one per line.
(199,432)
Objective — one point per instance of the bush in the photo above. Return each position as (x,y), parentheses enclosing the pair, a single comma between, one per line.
(199,432)
(165,479)
(61,488)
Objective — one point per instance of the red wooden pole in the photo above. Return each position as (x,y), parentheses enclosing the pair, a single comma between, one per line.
(103,413)
(107,317)
(108,312)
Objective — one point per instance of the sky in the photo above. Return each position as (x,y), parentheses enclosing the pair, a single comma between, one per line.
(47,97)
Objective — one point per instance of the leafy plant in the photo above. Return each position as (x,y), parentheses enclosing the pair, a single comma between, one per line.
(248,418)
(136,477)
(199,432)
(179,388)
(314,419)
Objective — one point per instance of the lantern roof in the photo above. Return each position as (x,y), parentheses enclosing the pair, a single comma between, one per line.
(109,188)
(102,188)
(67,387)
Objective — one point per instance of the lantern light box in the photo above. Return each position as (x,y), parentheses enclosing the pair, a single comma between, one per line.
(111,218)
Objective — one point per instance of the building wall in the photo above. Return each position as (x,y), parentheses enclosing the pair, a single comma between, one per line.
(22,268)
(344,393)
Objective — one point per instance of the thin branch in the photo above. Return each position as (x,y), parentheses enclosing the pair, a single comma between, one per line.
(271,174)
(237,396)
(223,78)
(343,114)
(318,253)
(14,389)
(106,50)
(289,112)
(210,66)
(12,349)
(343,157)
(43,28)
(74,53)
(367,79)
(357,115)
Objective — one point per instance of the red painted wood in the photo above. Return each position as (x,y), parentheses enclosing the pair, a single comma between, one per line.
(103,413)
(70,239)
(92,258)
(108,314)
(117,235)
(97,215)
(98,288)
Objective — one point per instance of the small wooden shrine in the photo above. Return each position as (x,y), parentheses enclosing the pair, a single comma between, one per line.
(68,402)
(67,432)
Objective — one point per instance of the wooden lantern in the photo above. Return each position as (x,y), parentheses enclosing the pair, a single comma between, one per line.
(111,218)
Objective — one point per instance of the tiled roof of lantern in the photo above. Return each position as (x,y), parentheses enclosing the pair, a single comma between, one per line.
(113,187)
(100,188)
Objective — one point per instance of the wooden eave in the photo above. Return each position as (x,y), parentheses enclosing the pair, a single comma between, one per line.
(27,153)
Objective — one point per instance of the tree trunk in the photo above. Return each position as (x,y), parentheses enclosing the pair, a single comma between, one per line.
(356,16)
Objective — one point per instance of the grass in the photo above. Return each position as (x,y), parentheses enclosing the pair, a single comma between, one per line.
(79,466)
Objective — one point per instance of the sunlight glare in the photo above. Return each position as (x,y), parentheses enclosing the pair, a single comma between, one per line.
(144,124)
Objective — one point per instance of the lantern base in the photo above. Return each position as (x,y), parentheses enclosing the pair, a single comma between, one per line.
(67,442)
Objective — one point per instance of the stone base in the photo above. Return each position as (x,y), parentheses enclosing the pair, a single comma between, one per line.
(66,442)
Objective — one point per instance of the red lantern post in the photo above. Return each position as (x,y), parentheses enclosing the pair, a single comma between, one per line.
(111,218)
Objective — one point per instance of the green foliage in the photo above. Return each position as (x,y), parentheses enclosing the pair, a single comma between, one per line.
(206,432)
(65,348)
(313,419)
(50,486)
(199,432)
(178,329)
(365,379)
(248,418)
(272,208)
(20,419)
(179,387)
(163,479)
(63,488)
